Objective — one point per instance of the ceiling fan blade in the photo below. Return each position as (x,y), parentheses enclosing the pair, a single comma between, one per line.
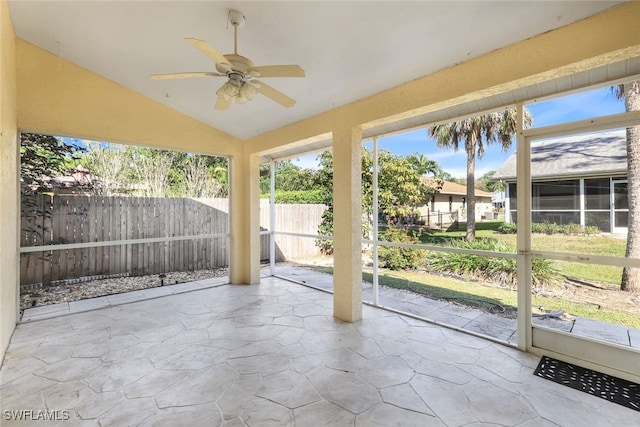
(274,94)
(185,75)
(211,52)
(223,103)
(277,71)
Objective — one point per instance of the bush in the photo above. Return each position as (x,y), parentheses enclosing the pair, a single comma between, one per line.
(499,270)
(300,197)
(325,228)
(507,228)
(591,229)
(551,228)
(395,258)
(545,228)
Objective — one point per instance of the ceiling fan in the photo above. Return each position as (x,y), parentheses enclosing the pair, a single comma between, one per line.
(241,84)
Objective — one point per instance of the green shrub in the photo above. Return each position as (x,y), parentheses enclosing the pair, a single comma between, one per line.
(395,258)
(551,228)
(325,228)
(591,229)
(300,197)
(499,270)
(571,229)
(545,227)
(507,228)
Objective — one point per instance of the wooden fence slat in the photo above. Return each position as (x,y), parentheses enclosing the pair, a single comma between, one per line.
(77,219)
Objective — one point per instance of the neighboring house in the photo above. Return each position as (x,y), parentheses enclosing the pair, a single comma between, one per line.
(498,199)
(452,198)
(579,179)
(79,182)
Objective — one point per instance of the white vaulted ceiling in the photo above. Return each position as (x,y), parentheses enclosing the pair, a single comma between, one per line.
(349,49)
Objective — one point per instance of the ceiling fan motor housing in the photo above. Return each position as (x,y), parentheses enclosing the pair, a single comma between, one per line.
(240,64)
(236,18)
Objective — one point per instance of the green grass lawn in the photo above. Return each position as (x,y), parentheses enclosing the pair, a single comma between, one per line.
(474,293)
(608,276)
(490,298)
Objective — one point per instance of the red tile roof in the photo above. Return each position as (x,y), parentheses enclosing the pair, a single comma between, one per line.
(453,188)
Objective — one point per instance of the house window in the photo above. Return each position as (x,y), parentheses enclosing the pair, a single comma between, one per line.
(450,203)
(511,192)
(597,203)
(433,203)
(556,202)
(597,194)
(555,195)
(551,201)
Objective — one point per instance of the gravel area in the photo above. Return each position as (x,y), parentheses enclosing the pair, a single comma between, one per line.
(98,288)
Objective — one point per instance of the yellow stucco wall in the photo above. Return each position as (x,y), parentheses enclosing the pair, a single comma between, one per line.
(9,193)
(347,224)
(244,200)
(57,97)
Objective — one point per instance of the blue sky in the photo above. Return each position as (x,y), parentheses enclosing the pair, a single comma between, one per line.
(583,105)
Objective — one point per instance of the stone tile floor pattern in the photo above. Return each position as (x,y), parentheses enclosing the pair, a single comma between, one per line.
(465,318)
(272,354)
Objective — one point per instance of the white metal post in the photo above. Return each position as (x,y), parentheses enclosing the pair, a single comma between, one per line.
(582,189)
(523,196)
(376,212)
(272,217)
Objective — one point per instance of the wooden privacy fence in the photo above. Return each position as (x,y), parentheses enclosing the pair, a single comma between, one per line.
(84,219)
(290,218)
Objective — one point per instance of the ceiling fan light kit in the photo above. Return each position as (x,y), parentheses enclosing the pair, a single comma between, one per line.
(239,71)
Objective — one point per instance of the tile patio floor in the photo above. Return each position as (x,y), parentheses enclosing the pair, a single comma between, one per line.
(272,354)
(466,318)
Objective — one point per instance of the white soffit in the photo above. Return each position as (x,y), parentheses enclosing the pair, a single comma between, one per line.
(600,76)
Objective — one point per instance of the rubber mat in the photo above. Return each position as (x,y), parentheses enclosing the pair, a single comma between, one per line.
(605,386)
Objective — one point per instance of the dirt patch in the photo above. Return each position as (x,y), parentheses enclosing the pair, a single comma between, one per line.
(594,294)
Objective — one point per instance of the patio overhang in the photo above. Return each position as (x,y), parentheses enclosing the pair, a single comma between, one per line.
(45,93)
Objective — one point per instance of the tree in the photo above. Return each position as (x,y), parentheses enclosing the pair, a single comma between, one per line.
(401,188)
(42,158)
(631,93)
(151,169)
(488,184)
(475,132)
(106,163)
(323,179)
(195,176)
(423,165)
(289,177)
(446,176)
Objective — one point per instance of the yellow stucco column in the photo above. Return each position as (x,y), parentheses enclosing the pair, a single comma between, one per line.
(347,224)
(9,184)
(244,219)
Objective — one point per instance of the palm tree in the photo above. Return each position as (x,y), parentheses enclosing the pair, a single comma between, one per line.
(476,132)
(631,93)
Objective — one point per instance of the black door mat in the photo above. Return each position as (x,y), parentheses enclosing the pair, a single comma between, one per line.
(610,388)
